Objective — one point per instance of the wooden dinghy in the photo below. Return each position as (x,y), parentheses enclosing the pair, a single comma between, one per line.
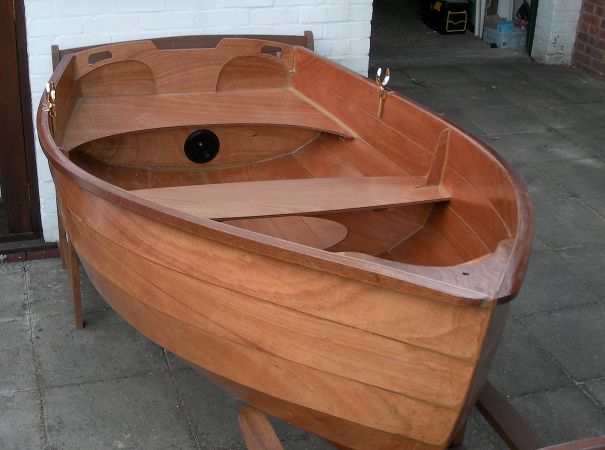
(334,254)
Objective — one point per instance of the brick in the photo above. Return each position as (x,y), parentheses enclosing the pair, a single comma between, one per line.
(39,9)
(591,19)
(161,21)
(114,23)
(347,30)
(323,14)
(262,16)
(138,6)
(81,8)
(246,3)
(593,51)
(180,5)
(359,46)
(62,25)
(361,12)
(231,17)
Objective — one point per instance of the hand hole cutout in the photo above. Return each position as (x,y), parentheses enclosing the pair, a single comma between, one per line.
(98,57)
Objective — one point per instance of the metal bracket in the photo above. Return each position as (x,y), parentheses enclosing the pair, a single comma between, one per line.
(49,105)
(383,92)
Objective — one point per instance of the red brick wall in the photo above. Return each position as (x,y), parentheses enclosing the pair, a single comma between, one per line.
(589,50)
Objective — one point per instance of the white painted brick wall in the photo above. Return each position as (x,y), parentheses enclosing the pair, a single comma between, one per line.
(341,29)
(555,32)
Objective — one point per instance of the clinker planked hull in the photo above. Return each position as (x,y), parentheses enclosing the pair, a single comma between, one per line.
(365,341)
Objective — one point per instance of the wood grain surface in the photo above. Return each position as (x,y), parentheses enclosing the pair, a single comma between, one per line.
(351,282)
(286,197)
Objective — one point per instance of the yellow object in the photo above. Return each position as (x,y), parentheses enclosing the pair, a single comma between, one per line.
(455,19)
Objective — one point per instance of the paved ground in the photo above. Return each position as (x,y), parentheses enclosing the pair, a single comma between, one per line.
(108,387)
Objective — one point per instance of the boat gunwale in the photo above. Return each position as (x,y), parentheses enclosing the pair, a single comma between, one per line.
(290,252)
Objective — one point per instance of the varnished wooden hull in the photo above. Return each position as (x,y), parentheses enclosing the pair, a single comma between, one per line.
(399,372)
(366,355)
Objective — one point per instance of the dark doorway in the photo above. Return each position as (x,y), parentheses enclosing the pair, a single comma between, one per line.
(19,205)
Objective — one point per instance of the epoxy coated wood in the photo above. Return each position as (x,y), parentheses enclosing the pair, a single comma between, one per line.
(340,271)
(292,197)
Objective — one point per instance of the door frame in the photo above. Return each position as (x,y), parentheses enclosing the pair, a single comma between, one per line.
(19,179)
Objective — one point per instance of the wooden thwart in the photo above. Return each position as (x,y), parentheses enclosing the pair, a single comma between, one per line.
(293,197)
(144,112)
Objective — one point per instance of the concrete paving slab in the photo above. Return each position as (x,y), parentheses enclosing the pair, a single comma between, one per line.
(522,367)
(50,290)
(561,415)
(596,205)
(106,348)
(456,116)
(574,337)
(541,187)
(550,285)
(542,145)
(592,139)
(213,415)
(583,178)
(567,223)
(587,262)
(463,96)
(21,424)
(579,89)
(479,435)
(559,115)
(550,73)
(596,389)
(13,299)
(212,412)
(526,93)
(596,109)
(174,362)
(17,370)
(130,413)
(495,73)
(503,119)
(425,97)
(445,76)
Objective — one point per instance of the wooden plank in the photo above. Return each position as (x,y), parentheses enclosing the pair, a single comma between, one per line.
(153,313)
(99,117)
(258,432)
(287,197)
(330,347)
(347,300)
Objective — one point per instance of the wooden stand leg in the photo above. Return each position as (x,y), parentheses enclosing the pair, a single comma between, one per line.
(62,238)
(505,421)
(458,441)
(74,277)
(258,432)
